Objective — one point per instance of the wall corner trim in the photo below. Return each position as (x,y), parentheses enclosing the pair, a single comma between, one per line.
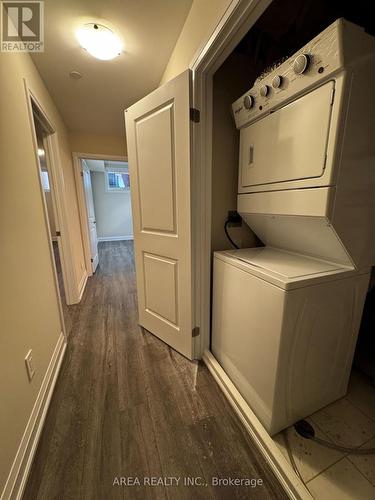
(20,469)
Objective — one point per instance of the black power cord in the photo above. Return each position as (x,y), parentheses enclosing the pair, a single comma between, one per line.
(228,236)
(235,219)
(306,430)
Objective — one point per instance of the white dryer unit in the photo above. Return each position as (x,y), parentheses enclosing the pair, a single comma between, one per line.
(286,316)
(307,148)
(288,145)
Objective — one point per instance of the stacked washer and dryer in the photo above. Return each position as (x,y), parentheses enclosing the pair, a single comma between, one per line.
(286,316)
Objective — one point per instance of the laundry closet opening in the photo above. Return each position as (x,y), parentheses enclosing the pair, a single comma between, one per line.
(284,27)
(272,155)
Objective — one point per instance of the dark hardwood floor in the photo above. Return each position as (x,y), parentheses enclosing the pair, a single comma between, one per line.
(126,405)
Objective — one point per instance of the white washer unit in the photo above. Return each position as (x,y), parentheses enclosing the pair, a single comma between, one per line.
(284,328)
(286,316)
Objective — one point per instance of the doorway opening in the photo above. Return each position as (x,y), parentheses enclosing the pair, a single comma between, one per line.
(103,186)
(44,158)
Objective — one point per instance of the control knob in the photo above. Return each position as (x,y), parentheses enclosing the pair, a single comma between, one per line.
(277,81)
(264,89)
(300,64)
(248,101)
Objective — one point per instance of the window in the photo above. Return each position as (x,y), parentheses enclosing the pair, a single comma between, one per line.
(45,180)
(117,181)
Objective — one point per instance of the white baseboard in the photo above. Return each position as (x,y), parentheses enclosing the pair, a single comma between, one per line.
(19,472)
(116,238)
(280,466)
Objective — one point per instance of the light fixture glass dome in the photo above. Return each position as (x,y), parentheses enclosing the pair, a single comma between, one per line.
(99,41)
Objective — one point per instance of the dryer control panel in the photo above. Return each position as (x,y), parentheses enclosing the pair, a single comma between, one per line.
(315,62)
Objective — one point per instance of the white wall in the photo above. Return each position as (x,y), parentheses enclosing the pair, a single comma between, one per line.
(112,210)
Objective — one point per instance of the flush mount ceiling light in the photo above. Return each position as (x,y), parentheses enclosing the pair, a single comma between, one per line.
(99,41)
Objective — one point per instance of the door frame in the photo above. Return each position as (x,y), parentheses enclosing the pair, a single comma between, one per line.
(51,151)
(82,208)
(237,20)
(239,17)
(58,194)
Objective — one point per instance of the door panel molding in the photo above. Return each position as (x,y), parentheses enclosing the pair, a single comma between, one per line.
(162,303)
(162,203)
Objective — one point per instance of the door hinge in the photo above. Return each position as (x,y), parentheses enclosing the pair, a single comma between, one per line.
(195,115)
(196,331)
(92,260)
(58,233)
(81,174)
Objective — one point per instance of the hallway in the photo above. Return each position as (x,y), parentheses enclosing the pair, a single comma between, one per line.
(126,405)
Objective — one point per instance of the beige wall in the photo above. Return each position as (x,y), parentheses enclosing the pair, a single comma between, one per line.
(229,83)
(98,144)
(203,18)
(29,313)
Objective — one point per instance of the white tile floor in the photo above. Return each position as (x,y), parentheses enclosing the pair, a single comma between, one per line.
(350,422)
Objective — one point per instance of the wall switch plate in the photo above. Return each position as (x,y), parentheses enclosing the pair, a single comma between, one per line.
(30,364)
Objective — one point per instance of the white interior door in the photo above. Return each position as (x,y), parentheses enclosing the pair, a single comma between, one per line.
(90,216)
(158,138)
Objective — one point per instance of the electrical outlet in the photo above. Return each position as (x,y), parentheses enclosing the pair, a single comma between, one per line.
(30,364)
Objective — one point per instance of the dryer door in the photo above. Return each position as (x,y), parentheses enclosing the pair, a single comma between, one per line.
(289,144)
